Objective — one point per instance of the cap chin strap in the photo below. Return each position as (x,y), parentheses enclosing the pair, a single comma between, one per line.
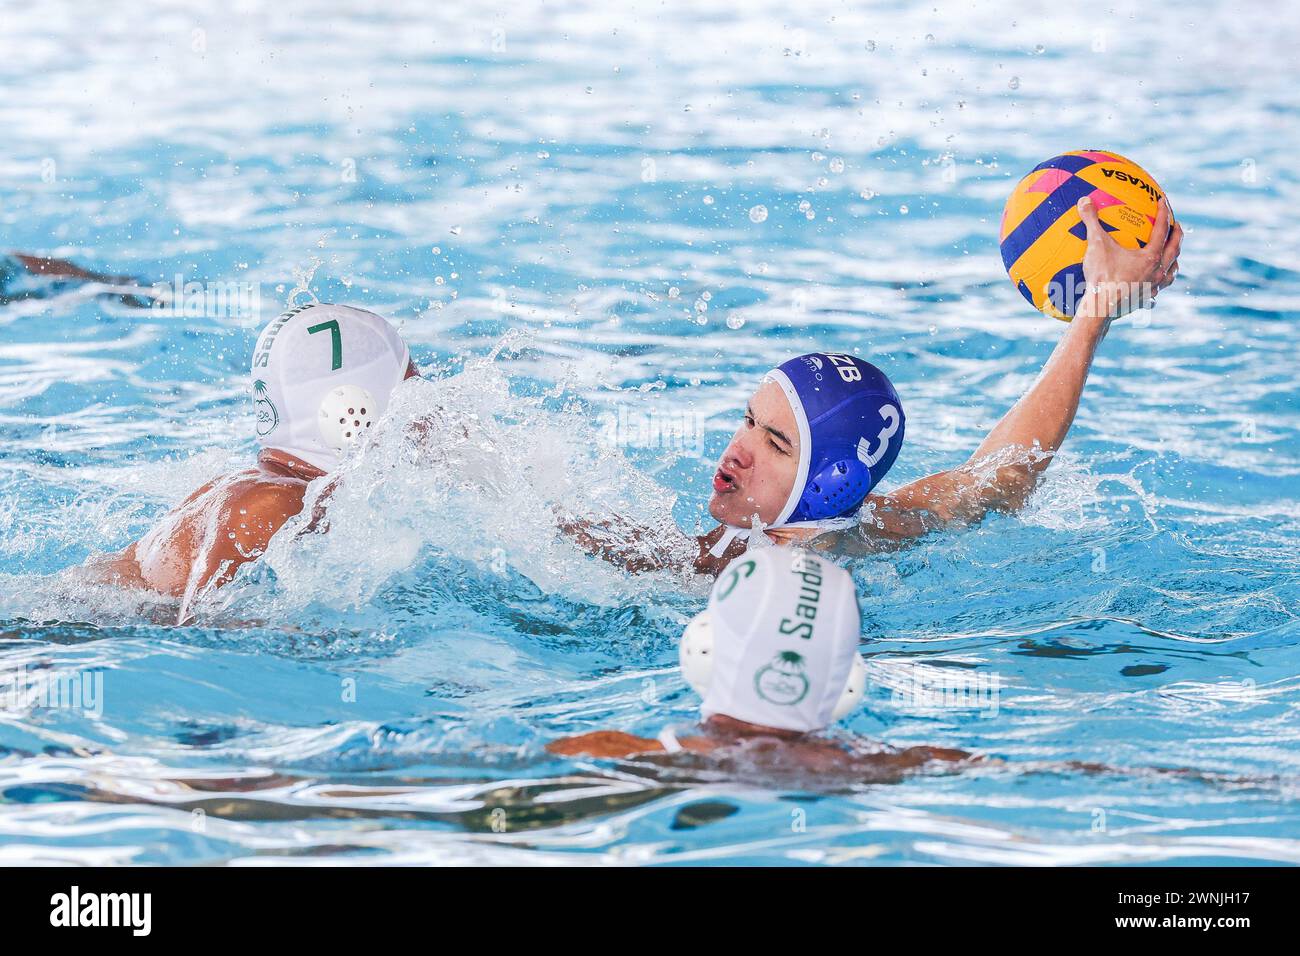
(729,534)
(750,535)
(668,739)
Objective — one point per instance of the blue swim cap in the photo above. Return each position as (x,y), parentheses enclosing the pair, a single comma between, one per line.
(850,430)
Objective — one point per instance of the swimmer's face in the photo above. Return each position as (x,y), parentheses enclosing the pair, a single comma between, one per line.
(758,469)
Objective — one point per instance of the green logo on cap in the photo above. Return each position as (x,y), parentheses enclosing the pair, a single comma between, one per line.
(783,680)
(267,416)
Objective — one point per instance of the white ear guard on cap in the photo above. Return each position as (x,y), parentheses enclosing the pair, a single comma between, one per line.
(346,412)
(696,656)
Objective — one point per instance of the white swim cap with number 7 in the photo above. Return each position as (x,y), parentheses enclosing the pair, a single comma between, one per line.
(322,375)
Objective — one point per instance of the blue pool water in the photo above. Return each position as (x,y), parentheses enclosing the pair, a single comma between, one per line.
(559,207)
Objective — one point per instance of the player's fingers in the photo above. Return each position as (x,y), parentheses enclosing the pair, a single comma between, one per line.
(1173,247)
(1170,274)
(1159,232)
(1088,212)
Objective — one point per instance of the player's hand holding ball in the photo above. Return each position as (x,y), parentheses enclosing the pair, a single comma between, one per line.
(1129,278)
(1091,226)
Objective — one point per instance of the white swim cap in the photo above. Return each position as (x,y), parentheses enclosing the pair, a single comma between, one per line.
(323,374)
(778,645)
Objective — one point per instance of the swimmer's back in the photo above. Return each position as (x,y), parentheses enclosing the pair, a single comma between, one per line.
(203,540)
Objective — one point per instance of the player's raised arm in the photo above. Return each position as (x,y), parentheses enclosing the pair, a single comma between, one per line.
(1006,467)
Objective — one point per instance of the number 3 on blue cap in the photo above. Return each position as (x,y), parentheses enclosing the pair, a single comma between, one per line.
(892,419)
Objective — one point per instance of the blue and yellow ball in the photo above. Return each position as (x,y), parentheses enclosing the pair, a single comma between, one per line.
(1043,238)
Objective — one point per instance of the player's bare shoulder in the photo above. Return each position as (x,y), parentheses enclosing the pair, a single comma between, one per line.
(259,502)
(227,522)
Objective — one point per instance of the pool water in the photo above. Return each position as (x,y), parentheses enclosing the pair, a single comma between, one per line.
(597,229)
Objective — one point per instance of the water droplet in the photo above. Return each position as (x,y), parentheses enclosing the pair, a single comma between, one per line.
(455,230)
(438,280)
(674,292)
(871,44)
(589,90)
(1040,49)
(818,157)
(701,305)
(735,322)
(1015,83)
(804,205)
(903,209)
(837,165)
(708,200)
(757,213)
(868,194)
